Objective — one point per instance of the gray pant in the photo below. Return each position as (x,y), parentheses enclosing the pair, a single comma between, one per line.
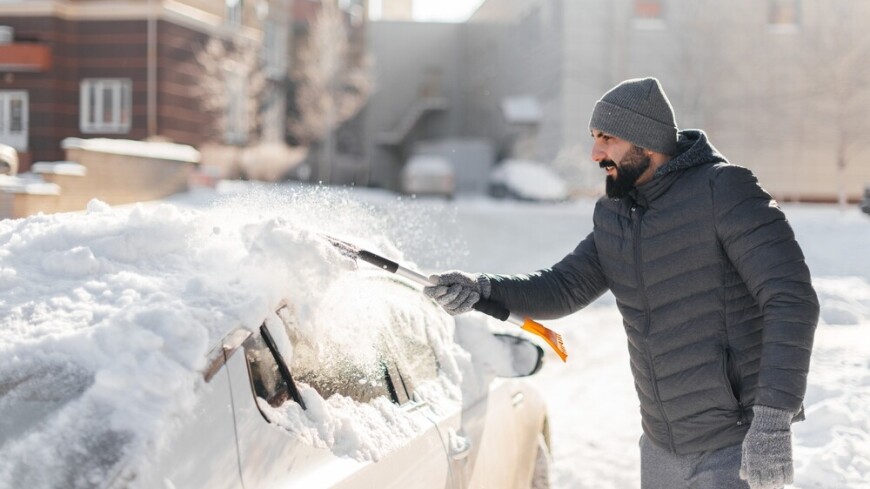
(716,469)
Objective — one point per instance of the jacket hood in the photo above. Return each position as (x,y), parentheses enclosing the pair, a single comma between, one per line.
(693,149)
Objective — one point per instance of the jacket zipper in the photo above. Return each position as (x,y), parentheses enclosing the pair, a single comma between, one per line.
(731,387)
(638,258)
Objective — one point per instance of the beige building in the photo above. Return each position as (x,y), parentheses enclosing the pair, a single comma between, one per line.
(780,86)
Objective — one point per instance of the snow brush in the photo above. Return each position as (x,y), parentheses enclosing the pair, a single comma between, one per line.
(485,306)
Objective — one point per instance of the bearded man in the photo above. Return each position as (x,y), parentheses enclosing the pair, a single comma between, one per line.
(713,288)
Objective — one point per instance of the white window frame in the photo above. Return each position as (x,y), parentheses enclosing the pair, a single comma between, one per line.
(121,92)
(16,139)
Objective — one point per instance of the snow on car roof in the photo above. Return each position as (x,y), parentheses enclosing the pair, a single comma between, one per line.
(108,315)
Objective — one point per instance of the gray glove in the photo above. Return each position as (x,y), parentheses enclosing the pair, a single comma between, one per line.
(456,291)
(767,462)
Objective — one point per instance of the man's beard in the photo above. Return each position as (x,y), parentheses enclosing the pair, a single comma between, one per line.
(627,173)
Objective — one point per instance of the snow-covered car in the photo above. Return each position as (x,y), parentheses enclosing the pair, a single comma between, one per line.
(134,358)
(277,414)
(428,175)
(527,180)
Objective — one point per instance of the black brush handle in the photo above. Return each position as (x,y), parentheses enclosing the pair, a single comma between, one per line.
(491,308)
(378,261)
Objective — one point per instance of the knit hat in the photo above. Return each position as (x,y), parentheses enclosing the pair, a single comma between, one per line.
(638,111)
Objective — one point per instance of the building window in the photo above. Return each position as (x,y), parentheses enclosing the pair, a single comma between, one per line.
(234,12)
(783,15)
(106,105)
(13,118)
(648,9)
(648,14)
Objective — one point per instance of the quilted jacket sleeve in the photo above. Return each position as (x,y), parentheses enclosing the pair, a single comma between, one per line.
(567,286)
(761,245)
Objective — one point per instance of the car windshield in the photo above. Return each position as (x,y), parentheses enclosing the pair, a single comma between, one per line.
(383,337)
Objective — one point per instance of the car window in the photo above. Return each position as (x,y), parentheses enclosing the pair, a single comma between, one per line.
(414,358)
(408,343)
(404,359)
(265,375)
(332,372)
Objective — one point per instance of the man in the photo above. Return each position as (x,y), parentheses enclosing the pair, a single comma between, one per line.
(714,292)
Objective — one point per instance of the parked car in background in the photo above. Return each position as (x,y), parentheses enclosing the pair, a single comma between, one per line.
(428,175)
(865,202)
(527,180)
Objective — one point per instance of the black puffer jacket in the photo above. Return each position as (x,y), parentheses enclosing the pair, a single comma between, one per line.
(713,289)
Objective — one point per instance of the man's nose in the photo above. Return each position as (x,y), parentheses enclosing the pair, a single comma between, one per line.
(598,154)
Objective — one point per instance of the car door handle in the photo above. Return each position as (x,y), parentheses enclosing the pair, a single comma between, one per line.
(518,399)
(460,446)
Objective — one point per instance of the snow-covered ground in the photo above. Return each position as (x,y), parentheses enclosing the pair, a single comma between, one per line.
(207,255)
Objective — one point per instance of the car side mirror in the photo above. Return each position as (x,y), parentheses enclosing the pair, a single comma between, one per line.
(524,357)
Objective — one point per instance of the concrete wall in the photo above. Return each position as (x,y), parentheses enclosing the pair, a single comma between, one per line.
(412,62)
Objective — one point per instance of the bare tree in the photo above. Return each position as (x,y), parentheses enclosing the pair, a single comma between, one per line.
(706,61)
(837,74)
(231,88)
(332,85)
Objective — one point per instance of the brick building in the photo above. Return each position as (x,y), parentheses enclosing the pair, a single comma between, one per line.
(132,69)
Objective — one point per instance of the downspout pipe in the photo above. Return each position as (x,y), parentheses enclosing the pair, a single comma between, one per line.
(152,69)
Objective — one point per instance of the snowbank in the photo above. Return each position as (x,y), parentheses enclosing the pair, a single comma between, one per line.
(143,149)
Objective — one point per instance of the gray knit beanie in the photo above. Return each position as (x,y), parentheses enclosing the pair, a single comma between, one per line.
(638,111)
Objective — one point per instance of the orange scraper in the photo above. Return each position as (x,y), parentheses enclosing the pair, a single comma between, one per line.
(483,305)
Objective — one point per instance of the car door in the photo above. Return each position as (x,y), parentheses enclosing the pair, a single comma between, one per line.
(481,440)
(492,438)
(272,456)
(202,452)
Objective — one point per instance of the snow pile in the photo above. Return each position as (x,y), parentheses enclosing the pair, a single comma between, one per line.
(142,149)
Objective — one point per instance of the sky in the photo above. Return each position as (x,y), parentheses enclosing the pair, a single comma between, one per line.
(92,301)
(445,10)
(438,10)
